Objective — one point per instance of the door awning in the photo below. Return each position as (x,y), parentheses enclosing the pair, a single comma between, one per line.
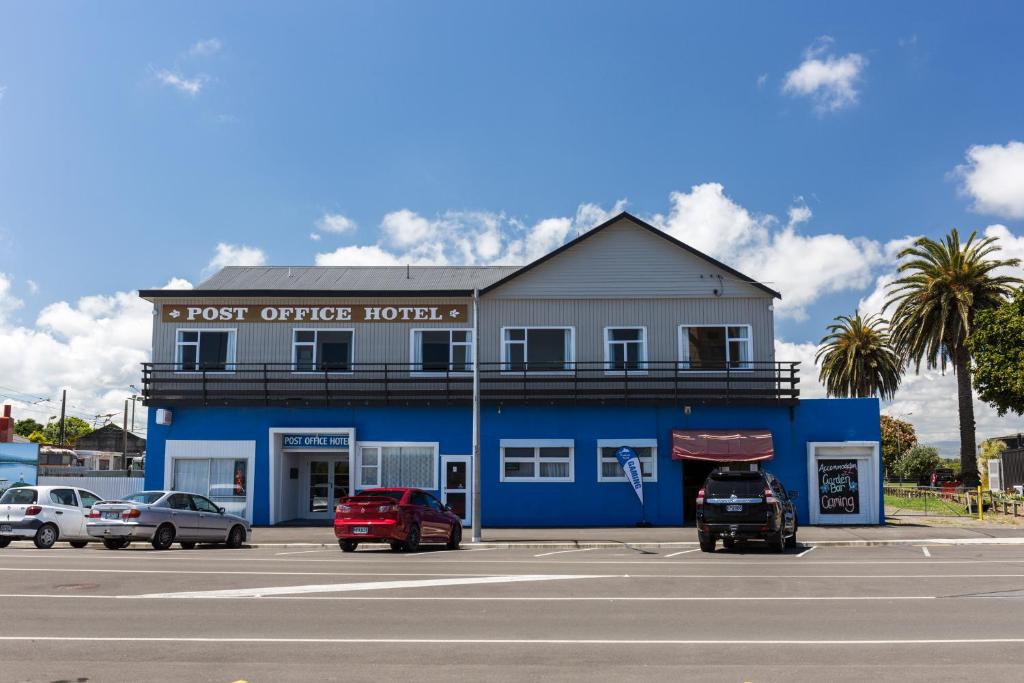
(722,445)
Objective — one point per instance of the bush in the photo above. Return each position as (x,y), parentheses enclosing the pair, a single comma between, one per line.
(917,462)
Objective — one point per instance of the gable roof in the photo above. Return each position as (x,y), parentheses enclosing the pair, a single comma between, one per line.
(625,215)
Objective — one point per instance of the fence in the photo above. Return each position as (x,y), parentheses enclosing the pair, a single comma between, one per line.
(902,500)
(106,487)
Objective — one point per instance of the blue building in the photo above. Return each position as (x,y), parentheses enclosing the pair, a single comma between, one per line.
(277,390)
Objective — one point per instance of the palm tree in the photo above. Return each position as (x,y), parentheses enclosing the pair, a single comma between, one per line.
(941,288)
(856,358)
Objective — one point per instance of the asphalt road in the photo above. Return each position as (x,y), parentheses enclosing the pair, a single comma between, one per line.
(830,614)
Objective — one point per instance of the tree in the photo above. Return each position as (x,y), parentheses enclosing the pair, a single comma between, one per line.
(997,346)
(27,426)
(917,462)
(73,429)
(990,449)
(897,437)
(857,360)
(941,288)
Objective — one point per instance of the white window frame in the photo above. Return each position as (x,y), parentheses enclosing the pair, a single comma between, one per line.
(416,357)
(619,443)
(570,361)
(315,344)
(358,484)
(179,449)
(536,445)
(229,362)
(608,370)
(684,347)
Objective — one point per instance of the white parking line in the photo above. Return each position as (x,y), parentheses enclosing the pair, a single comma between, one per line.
(681,552)
(265,595)
(509,641)
(303,552)
(807,551)
(924,549)
(560,552)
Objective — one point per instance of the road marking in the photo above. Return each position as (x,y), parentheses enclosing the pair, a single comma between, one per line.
(365,586)
(681,552)
(560,552)
(924,549)
(506,641)
(255,593)
(806,551)
(303,552)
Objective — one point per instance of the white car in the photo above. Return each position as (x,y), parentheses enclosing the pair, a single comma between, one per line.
(45,514)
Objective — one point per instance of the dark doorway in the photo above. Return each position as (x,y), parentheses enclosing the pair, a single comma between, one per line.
(694,474)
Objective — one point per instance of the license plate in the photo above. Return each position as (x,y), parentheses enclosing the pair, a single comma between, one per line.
(360,529)
(5,528)
(734,508)
(111,515)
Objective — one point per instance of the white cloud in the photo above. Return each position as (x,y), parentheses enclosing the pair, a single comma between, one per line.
(803,353)
(994,178)
(829,80)
(315,236)
(234,255)
(8,302)
(33,286)
(358,256)
(799,213)
(762,80)
(93,348)
(336,223)
(404,228)
(183,84)
(3,89)
(205,48)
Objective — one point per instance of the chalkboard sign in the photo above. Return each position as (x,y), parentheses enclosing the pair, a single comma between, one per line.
(838,488)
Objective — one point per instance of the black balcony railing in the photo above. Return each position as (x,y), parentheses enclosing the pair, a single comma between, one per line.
(277,384)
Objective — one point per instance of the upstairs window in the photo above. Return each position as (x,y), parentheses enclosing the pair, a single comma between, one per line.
(442,350)
(537,349)
(715,347)
(212,350)
(625,348)
(322,350)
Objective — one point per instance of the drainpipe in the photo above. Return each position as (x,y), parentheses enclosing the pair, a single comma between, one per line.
(476,416)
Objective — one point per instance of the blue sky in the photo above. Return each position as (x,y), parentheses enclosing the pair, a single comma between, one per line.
(134,138)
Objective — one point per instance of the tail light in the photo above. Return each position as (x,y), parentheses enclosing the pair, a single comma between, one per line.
(93,513)
(344,508)
(769,497)
(384,509)
(700,497)
(130,514)
(33,510)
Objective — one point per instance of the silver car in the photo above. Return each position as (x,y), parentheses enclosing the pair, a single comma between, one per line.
(163,517)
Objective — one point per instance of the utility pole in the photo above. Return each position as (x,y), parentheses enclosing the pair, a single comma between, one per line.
(63,405)
(133,413)
(476,416)
(125,453)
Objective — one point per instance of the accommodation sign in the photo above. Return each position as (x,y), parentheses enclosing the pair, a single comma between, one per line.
(314,440)
(837,487)
(293,313)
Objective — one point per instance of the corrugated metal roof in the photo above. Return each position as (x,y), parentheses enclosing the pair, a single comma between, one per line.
(356,278)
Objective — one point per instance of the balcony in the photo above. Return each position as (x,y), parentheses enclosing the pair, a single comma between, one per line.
(401,384)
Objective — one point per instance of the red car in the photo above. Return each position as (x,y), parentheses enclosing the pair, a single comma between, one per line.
(405,518)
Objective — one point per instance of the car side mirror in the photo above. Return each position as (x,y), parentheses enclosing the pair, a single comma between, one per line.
(448,508)
(221,510)
(793,495)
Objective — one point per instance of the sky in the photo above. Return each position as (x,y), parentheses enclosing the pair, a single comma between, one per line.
(803,143)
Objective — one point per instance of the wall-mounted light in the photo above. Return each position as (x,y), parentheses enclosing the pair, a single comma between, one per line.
(687,410)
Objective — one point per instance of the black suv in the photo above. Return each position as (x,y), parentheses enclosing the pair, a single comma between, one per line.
(740,505)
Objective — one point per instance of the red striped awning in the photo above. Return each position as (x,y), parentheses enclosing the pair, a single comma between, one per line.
(722,445)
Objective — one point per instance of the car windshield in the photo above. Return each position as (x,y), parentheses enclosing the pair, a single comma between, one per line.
(740,485)
(145,497)
(397,495)
(18,496)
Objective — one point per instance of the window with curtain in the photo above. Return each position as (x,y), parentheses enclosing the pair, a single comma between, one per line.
(384,465)
(222,480)
(608,468)
(549,460)
(715,347)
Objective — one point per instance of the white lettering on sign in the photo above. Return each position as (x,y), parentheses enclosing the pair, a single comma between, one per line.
(315,314)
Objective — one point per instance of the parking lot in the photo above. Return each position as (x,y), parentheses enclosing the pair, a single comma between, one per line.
(266,614)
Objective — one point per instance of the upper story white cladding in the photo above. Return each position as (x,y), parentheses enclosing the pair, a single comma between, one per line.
(626,261)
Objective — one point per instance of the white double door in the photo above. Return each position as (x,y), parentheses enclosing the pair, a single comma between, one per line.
(325,481)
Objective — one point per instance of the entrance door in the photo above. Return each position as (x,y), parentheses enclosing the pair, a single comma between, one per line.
(326,483)
(455,485)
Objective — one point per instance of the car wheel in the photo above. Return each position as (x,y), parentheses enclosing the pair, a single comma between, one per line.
(78,544)
(187,545)
(4,541)
(163,538)
(456,538)
(707,543)
(46,536)
(778,542)
(115,543)
(348,546)
(397,546)
(791,541)
(237,537)
(412,542)
(729,543)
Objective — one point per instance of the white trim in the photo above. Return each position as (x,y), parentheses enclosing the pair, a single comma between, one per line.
(436,445)
(570,361)
(436,373)
(274,459)
(230,361)
(869,485)
(537,444)
(468,460)
(200,449)
(683,347)
(316,343)
(643,350)
(617,443)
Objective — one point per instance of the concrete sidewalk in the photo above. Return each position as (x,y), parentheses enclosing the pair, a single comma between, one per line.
(667,537)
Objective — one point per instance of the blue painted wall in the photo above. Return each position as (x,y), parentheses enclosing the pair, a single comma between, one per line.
(584,502)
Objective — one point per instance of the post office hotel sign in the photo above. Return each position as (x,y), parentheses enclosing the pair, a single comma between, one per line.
(290,313)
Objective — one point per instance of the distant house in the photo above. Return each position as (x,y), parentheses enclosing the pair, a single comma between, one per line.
(103,449)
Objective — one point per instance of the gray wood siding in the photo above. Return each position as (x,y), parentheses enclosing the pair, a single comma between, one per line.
(625,261)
